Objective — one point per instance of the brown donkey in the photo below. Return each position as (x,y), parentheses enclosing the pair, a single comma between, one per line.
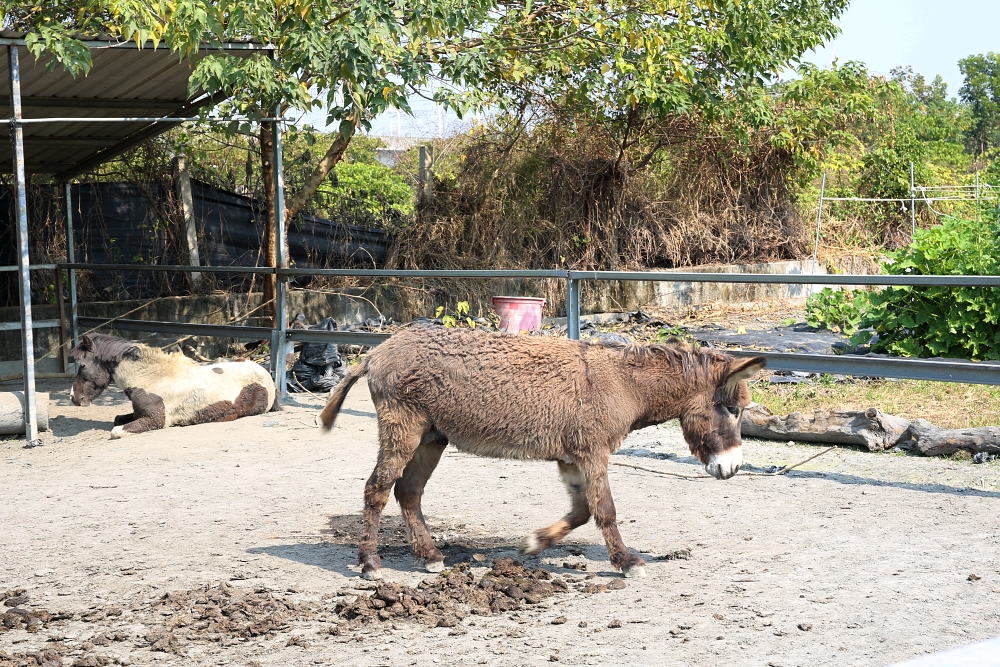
(521,397)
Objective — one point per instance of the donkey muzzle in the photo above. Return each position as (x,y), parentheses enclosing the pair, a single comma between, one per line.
(726,464)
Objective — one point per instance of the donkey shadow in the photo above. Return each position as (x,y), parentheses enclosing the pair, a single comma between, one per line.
(338,550)
(63,426)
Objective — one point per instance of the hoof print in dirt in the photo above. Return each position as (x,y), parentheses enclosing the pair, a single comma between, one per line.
(455,594)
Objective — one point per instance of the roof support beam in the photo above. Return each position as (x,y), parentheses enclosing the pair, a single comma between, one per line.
(137,138)
(84,103)
(70,141)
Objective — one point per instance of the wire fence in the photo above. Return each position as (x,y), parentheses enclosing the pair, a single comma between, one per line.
(977,193)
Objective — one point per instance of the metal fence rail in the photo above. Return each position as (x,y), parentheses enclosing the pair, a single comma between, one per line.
(917,369)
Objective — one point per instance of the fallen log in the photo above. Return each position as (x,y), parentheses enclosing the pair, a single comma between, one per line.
(12,412)
(871,428)
(934,441)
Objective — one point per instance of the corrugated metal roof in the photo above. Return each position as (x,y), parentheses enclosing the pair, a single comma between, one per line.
(124,82)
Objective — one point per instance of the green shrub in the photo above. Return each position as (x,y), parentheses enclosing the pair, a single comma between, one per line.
(958,322)
(374,187)
(836,309)
(363,149)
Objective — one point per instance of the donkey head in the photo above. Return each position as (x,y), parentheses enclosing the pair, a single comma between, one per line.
(711,418)
(97,357)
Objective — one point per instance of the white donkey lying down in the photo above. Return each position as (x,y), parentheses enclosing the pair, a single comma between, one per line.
(167,389)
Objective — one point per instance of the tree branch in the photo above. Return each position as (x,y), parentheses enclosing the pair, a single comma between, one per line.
(296,202)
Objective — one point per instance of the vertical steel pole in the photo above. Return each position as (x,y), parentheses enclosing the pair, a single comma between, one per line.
(573,309)
(913,206)
(281,295)
(74,328)
(23,262)
(819,218)
(61,303)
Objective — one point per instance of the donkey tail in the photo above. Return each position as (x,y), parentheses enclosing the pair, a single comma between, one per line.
(339,393)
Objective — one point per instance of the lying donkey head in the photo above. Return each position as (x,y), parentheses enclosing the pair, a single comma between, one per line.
(97,357)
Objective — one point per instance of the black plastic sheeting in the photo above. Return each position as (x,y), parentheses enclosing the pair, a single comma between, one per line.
(119,223)
(319,366)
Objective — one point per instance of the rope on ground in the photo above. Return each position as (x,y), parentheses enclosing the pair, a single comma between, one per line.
(660,472)
(757,474)
(787,468)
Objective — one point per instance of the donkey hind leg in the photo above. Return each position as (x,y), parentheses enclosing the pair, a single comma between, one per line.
(579,513)
(603,507)
(410,489)
(397,444)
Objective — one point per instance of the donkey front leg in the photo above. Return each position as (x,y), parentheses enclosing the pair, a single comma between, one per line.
(148,411)
(603,507)
(410,489)
(579,514)
(121,420)
(397,444)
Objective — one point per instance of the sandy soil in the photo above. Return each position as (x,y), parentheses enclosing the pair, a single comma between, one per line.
(857,558)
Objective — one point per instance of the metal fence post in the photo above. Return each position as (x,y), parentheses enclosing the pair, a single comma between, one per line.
(573,308)
(74,327)
(23,262)
(913,206)
(819,218)
(281,293)
(61,304)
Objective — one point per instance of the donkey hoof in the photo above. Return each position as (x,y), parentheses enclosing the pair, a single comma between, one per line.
(434,566)
(117,432)
(371,575)
(634,572)
(532,545)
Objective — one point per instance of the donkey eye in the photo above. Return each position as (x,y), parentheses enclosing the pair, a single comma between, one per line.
(733,410)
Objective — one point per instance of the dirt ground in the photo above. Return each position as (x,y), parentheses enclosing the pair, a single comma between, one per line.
(251,527)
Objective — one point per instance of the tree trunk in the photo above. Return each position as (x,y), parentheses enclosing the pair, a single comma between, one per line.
(270,248)
(872,428)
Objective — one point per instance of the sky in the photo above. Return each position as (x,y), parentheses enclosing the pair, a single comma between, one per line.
(929,35)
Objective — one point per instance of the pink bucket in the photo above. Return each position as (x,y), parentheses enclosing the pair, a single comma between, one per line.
(519,313)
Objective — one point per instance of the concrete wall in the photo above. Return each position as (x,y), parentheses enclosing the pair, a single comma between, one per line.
(603,297)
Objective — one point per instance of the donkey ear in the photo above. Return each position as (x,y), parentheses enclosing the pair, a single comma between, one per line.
(86,344)
(743,369)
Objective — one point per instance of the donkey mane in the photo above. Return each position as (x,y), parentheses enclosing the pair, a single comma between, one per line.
(111,348)
(694,362)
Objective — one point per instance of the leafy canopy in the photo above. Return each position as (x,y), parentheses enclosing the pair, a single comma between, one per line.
(981,91)
(365,55)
